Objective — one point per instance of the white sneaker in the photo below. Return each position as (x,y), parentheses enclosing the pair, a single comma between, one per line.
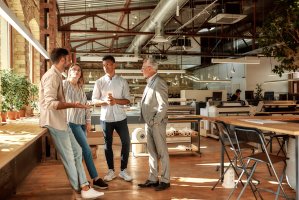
(91,194)
(110,175)
(124,175)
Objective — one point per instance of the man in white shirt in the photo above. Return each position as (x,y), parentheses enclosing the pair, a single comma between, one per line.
(111,92)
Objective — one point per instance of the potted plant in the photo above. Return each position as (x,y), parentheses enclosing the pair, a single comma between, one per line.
(258,94)
(33,100)
(8,92)
(22,95)
(4,109)
(280,36)
(15,92)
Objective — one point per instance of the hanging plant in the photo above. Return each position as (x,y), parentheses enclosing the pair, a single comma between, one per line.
(280,36)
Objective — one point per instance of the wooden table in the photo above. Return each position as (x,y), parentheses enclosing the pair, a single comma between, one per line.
(21,149)
(289,128)
(279,113)
(15,137)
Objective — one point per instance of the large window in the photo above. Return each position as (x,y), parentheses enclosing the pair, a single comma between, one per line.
(31,63)
(5,44)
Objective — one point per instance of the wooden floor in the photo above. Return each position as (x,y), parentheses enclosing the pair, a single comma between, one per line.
(192,177)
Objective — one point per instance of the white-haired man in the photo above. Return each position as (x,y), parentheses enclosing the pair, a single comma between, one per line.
(154,105)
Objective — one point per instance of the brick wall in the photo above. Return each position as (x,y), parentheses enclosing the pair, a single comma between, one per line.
(25,10)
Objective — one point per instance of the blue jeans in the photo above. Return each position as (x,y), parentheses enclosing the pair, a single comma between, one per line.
(79,133)
(121,127)
(71,156)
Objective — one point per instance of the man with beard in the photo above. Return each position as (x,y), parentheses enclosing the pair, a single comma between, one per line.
(53,116)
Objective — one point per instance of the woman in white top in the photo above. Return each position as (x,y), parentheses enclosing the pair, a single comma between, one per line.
(79,120)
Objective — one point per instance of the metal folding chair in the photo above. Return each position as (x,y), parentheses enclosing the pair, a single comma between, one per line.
(278,137)
(256,136)
(228,141)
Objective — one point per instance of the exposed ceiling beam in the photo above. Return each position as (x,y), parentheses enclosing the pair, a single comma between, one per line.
(72,22)
(101,38)
(117,10)
(189,53)
(101,44)
(83,43)
(120,21)
(108,50)
(117,25)
(153,33)
(141,22)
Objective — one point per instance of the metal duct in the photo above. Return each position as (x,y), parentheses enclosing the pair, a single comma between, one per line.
(164,10)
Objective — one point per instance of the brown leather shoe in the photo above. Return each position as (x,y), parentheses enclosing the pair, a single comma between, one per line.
(162,186)
(149,183)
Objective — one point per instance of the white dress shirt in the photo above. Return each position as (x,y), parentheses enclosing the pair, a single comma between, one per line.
(119,89)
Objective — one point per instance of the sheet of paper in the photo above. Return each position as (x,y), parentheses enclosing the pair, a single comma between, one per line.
(263,121)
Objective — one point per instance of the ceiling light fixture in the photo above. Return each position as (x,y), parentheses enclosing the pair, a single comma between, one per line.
(245,60)
(233,70)
(117,59)
(282,80)
(195,79)
(90,76)
(226,18)
(133,77)
(15,22)
(137,71)
(177,8)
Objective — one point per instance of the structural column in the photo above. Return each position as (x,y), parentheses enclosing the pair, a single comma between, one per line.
(48,25)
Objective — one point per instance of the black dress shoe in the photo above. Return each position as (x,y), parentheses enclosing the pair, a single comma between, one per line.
(149,183)
(162,186)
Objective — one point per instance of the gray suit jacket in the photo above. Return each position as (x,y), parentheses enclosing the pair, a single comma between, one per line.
(154,102)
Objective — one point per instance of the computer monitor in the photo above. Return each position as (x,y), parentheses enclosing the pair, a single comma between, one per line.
(249,95)
(269,95)
(217,96)
(283,97)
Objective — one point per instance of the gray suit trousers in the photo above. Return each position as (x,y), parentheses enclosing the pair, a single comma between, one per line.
(157,149)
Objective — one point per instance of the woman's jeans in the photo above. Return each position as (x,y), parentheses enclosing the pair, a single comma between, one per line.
(79,132)
(71,156)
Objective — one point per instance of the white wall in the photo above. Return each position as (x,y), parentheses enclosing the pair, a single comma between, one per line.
(222,72)
(246,77)
(256,74)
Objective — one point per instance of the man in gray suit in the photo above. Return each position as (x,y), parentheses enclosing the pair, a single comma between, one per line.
(154,104)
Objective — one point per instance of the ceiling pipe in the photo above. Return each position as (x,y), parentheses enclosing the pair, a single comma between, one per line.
(163,11)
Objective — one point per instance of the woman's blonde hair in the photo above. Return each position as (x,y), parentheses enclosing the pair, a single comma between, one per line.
(81,78)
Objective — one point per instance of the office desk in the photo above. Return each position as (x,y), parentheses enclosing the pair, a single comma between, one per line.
(289,128)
